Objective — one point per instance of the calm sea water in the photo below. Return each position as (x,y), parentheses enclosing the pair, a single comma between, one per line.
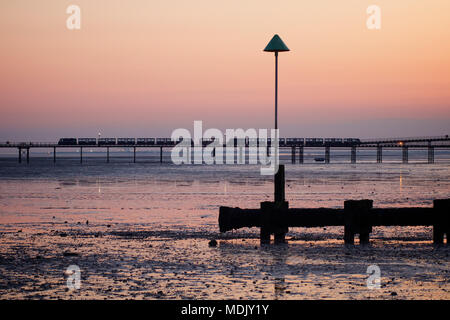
(191,194)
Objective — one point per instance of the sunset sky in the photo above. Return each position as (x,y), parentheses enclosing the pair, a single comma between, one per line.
(142,68)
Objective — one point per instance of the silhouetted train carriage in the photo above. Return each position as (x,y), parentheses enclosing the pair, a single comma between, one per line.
(236,142)
(87,141)
(206,142)
(67,142)
(164,142)
(145,141)
(106,141)
(252,142)
(351,141)
(312,142)
(294,141)
(126,141)
(333,141)
(282,142)
(240,141)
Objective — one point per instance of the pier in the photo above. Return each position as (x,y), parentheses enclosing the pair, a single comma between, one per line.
(296,146)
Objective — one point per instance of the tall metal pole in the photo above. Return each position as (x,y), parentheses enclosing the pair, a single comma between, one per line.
(276,90)
(279,176)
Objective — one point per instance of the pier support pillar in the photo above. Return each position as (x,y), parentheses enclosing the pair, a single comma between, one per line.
(160,154)
(379,154)
(28,155)
(134,154)
(327,154)
(20,155)
(293,154)
(353,155)
(81,154)
(441,224)
(300,154)
(357,220)
(107,154)
(54,154)
(430,154)
(405,154)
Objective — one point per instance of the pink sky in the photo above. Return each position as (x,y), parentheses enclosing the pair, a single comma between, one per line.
(144,68)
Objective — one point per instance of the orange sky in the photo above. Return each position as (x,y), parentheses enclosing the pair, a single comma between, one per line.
(144,68)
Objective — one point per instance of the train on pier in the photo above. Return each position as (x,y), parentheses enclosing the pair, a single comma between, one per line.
(283,142)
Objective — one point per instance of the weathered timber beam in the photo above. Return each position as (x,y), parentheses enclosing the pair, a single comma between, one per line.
(235,218)
(402,216)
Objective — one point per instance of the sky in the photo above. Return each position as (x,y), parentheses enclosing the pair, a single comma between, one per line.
(142,68)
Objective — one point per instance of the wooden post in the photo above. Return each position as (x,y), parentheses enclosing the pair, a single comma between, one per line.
(357,220)
(54,154)
(107,154)
(134,154)
(327,154)
(353,155)
(20,155)
(160,154)
(300,154)
(272,213)
(279,184)
(441,224)
(273,221)
(81,154)
(28,155)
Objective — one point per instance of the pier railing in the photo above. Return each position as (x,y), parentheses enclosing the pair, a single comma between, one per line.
(405,139)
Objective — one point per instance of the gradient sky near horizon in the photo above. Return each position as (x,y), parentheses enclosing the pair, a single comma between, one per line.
(143,68)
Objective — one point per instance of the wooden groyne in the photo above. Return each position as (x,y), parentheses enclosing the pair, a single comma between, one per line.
(357,217)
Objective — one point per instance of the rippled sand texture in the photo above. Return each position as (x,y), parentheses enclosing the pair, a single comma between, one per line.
(142,231)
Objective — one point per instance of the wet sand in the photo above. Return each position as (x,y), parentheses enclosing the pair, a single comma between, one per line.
(147,237)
